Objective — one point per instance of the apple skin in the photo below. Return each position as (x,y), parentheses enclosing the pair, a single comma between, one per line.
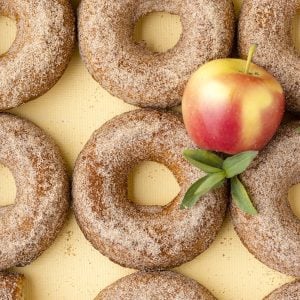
(226,110)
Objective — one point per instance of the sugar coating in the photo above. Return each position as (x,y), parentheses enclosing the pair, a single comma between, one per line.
(268,24)
(142,237)
(133,73)
(273,236)
(155,286)
(29,226)
(41,51)
(11,286)
(290,291)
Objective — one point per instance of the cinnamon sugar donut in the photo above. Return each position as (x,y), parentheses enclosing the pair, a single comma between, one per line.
(11,286)
(273,236)
(155,285)
(136,236)
(268,24)
(29,226)
(137,75)
(290,291)
(41,51)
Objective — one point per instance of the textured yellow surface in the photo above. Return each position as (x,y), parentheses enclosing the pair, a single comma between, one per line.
(71,268)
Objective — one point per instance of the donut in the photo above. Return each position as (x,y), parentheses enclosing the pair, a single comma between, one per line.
(41,51)
(29,226)
(268,24)
(137,236)
(289,291)
(11,286)
(155,285)
(273,236)
(132,72)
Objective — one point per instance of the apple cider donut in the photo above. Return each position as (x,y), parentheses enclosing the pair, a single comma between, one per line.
(268,24)
(137,75)
(11,286)
(273,236)
(289,291)
(29,226)
(41,51)
(137,236)
(155,285)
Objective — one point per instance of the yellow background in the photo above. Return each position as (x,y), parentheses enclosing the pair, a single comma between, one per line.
(71,268)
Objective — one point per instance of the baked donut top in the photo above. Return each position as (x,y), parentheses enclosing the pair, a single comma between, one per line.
(137,75)
(268,24)
(273,236)
(137,236)
(155,285)
(28,226)
(41,50)
(11,286)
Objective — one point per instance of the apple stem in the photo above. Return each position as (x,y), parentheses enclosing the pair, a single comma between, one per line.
(250,57)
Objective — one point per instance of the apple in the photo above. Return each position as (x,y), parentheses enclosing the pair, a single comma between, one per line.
(232,105)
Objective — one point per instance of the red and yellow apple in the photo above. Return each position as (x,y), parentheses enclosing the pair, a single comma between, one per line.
(232,106)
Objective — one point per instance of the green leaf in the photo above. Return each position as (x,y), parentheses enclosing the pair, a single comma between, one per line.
(210,183)
(241,197)
(204,160)
(237,164)
(298,129)
(190,198)
(201,187)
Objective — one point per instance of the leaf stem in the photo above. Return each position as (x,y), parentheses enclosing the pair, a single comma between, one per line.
(250,57)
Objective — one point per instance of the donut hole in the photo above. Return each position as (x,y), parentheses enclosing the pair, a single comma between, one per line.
(296,31)
(294,199)
(151,183)
(7,187)
(158,31)
(8,31)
